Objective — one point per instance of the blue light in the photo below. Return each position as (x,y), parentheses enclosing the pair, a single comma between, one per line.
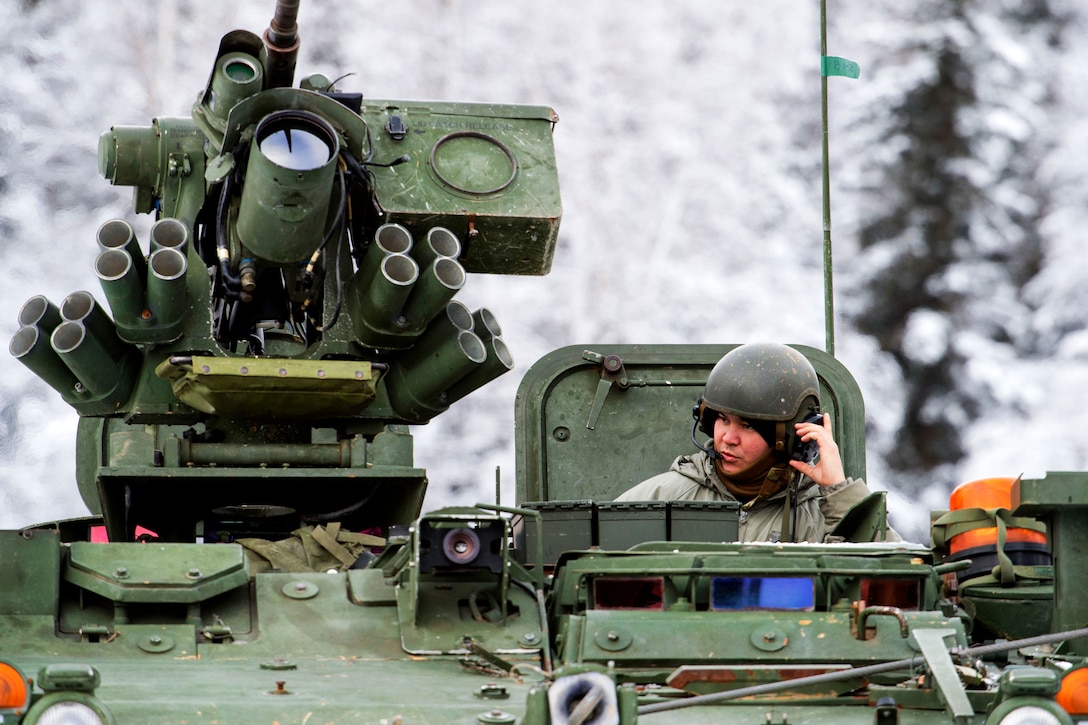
(762,593)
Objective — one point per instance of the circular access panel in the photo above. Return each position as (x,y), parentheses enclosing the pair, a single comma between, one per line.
(473,163)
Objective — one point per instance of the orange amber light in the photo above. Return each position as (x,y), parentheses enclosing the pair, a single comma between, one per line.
(987,493)
(1073,697)
(13,691)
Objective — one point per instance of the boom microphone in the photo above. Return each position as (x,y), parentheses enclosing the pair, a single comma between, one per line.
(714,455)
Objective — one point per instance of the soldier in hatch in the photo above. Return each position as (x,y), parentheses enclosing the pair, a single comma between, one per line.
(770,450)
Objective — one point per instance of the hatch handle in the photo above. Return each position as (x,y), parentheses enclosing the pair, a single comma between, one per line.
(612,371)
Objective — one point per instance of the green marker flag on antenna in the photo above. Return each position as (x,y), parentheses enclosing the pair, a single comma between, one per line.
(833,66)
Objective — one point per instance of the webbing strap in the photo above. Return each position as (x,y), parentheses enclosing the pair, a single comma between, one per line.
(960,521)
(1040,574)
(331,545)
(313,548)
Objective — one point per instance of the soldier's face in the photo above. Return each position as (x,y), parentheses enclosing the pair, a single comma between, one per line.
(740,446)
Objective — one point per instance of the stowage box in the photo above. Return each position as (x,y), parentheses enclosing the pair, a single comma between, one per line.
(623,524)
(704,520)
(486,172)
(568,526)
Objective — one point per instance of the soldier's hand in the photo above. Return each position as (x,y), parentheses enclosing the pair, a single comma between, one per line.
(827,470)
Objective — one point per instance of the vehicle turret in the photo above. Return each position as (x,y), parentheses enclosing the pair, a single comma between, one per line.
(294,307)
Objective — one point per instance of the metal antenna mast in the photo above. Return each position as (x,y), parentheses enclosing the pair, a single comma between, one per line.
(829,293)
(829,66)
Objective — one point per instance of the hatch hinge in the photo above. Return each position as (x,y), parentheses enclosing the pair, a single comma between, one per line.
(218,631)
(97,633)
(474,648)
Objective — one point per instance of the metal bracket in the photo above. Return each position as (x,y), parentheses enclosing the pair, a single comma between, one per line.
(178,164)
(934,649)
(396,127)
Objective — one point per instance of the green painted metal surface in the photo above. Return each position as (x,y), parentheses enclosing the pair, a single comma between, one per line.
(244,443)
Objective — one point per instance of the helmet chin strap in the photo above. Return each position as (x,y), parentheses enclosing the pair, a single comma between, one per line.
(787,518)
(789,513)
(714,455)
(780,446)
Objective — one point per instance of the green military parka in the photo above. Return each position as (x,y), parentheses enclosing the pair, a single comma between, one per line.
(818,508)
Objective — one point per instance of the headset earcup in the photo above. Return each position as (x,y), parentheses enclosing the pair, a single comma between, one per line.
(796,449)
(700,412)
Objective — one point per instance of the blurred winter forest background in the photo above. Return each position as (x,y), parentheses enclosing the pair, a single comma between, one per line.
(689,159)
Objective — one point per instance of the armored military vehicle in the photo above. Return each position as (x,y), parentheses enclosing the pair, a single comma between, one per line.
(259,553)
